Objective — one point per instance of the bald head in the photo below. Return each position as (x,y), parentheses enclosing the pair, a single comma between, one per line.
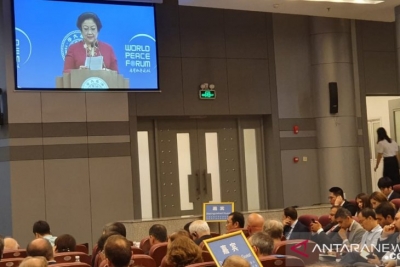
(10,244)
(235,261)
(40,247)
(255,223)
(34,262)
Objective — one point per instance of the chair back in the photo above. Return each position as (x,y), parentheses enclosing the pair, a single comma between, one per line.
(214,234)
(307,219)
(145,245)
(203,264)
(396,202)
(144,260)
(303,251)
(206,256)
(281,261)
(396,188)
(70,257)
(84,248)
(324,220)
(17,253)
(70,264)
(158,251)
(10,262)
(136,250)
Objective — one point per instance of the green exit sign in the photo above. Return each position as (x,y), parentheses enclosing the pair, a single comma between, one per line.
(207,94)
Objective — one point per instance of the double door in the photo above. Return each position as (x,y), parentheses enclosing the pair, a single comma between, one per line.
(202,160)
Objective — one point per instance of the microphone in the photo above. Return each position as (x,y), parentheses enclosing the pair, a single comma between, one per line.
(96,44)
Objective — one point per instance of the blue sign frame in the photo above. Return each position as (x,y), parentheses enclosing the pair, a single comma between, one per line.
(217,211)
(235,243)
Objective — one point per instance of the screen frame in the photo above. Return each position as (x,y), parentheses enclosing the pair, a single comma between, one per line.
(63,90)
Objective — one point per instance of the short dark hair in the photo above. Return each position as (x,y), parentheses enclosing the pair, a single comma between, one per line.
(159,232)
(1,246)
(45,249)
(65,243)
(41,228)
(118,250)
(367,212)
(385,182)
(89,15)
(115,227)
(342,213)
(337,191)
(386,209)
(237,217)
(290,212)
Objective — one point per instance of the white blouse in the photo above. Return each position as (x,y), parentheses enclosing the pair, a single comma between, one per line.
(387,149)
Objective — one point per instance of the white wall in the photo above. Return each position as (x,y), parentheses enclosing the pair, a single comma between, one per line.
(378,108)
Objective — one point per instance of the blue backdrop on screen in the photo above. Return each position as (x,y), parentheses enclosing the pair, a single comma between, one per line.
(45,29)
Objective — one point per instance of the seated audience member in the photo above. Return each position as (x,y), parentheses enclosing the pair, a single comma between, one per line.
(64,243)
(275,230)
(118,252)
(255,223)
(390,238)
(336,198)
(235,221)
(41,247)
(328,235)
(115,227)
(293,229)
(41,229)
(157,234)
(377,198)
(177,234)
(98,257)
(370,238)
(385,213)
(1,247)
(235,261)
(34,262)
(385,184)
(262,244)
(182,252)
(10,244)
(350,231)
(362,200)
(199,230)
(186,227)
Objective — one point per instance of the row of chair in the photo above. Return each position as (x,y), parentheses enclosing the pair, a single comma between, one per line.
(21,253)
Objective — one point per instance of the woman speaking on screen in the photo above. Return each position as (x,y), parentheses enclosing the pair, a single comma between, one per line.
(84,54)
(388,149)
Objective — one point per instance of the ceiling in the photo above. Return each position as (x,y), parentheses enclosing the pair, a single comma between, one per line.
(378,12)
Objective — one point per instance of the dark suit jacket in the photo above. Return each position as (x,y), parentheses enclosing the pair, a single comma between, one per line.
(300,231)
(391,240)
(350,207)
(327,239)
(204,237)
(394,195)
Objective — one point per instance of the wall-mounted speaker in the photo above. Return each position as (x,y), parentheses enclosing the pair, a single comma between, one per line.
(333,98)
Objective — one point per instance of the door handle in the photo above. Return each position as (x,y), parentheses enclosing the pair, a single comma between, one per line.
(207,188)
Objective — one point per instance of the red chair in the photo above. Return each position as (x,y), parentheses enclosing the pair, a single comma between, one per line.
(84,248)
(324,220)
(311,255)
(70,257)
(143,260)
(158,251)
(164,263)
(145,245)
(206,256)
(203,264)
(11,262)
(136,250)
(214,234)
(18,253)
(278,261)
(307,219)
(396,188)
(71,264)
(396,202)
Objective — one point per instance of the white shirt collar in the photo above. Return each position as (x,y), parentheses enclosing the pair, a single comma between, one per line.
(294,223)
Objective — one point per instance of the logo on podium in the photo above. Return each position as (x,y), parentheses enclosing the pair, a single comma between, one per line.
(94,83)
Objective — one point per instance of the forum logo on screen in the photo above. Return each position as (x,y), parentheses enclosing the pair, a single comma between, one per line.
(140,54)
(70,38)
(23,47)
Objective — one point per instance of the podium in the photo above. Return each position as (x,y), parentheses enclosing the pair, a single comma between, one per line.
(92,79)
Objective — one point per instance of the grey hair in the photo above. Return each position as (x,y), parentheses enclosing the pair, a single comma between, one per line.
(200,227)
(263,242)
